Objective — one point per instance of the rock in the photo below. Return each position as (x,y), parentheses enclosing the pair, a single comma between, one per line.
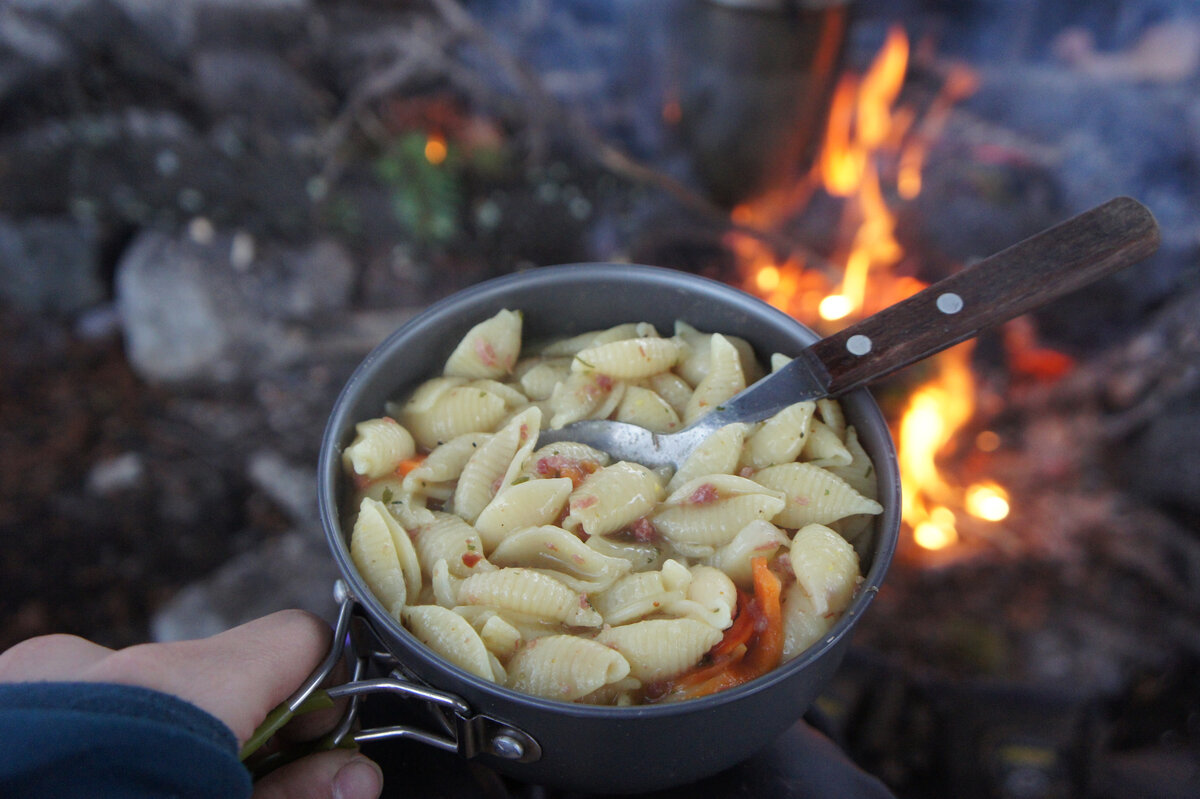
(218,309)
(1162,462)
(49,265)
(291,487)
(116,474)
(179,26)
(292,571)
(256,85)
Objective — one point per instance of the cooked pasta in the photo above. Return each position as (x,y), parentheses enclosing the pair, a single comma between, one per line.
(489,349)
(660,648)
(565,667)
(378,448)
(451,636)
(562,574)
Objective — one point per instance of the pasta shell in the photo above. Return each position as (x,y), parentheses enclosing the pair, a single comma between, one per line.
(833,416)
(724,379)
(672,388)
(826,567)
(803,626)
(717,454)
(375,521)
(459,410)
(594,338)
(715,594)
(447,537)
(564,667)
(572,561)
(451,636)
(757,539)
(644,408)
(824,447)
(814,495)
(374,555)
(641,594)
(628,359)
(538,381)
(488,469)
(642,555)
(528,504)
(613,497)
(696,354)
(499,636)
(528,592)
(660,648)
(378,447)
(781,438)
(709,511)
(860,472)
(489,349)
(584,395)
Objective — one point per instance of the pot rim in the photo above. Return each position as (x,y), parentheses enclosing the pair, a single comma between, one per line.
(329,475)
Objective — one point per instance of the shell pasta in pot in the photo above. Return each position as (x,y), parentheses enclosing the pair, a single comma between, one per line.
(560,573)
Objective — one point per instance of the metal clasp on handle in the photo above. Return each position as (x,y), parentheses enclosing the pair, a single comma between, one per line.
(461,730)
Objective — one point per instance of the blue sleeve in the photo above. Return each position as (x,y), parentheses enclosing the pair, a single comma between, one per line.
(100,740)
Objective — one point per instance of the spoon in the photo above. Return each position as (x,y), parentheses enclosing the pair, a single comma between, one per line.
(1027,275)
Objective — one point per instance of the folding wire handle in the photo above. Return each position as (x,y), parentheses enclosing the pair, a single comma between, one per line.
(461,730)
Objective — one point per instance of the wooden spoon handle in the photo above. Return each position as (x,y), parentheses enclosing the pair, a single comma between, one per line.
(1012,282)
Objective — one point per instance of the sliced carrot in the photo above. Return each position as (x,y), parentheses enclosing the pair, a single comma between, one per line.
(408,464)
(764,650)
(742,628)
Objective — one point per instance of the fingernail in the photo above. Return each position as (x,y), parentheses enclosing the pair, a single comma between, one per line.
(359,779)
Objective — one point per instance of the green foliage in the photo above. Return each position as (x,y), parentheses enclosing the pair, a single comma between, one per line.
(427,198)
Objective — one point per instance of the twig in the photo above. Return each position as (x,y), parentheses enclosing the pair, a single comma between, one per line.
(542,110)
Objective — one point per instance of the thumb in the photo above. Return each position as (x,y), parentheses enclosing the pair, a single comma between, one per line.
(337,774)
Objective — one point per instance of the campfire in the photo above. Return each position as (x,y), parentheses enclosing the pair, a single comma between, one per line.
(831,160)
(870,139)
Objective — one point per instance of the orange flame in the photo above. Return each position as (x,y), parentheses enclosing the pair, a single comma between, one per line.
(934,414)
(864,126)
(860,123)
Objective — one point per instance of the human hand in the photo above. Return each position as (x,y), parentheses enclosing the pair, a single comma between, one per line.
(238,676)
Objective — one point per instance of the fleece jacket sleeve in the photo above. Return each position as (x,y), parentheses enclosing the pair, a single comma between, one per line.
(100,740)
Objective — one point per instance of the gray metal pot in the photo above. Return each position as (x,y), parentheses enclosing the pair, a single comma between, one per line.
(582,747)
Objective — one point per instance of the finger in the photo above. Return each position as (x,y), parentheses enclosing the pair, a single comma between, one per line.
(50,657)
(238,675)
(308,726)
(339,774)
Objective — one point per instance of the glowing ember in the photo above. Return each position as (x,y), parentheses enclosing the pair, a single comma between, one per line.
(834,307)
(435,149)
(938,531)
(987,501)
(987,441)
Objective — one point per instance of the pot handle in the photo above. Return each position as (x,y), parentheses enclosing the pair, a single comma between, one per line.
(461,730)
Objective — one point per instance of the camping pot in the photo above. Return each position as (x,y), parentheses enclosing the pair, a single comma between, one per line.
(587,748)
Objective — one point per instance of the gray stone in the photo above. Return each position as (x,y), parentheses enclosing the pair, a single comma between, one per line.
(49,265)
(175,328)
(116,474)
(292,571)
(177,27)
(1162,462)
(253,84)
(218,309)
(292,488)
